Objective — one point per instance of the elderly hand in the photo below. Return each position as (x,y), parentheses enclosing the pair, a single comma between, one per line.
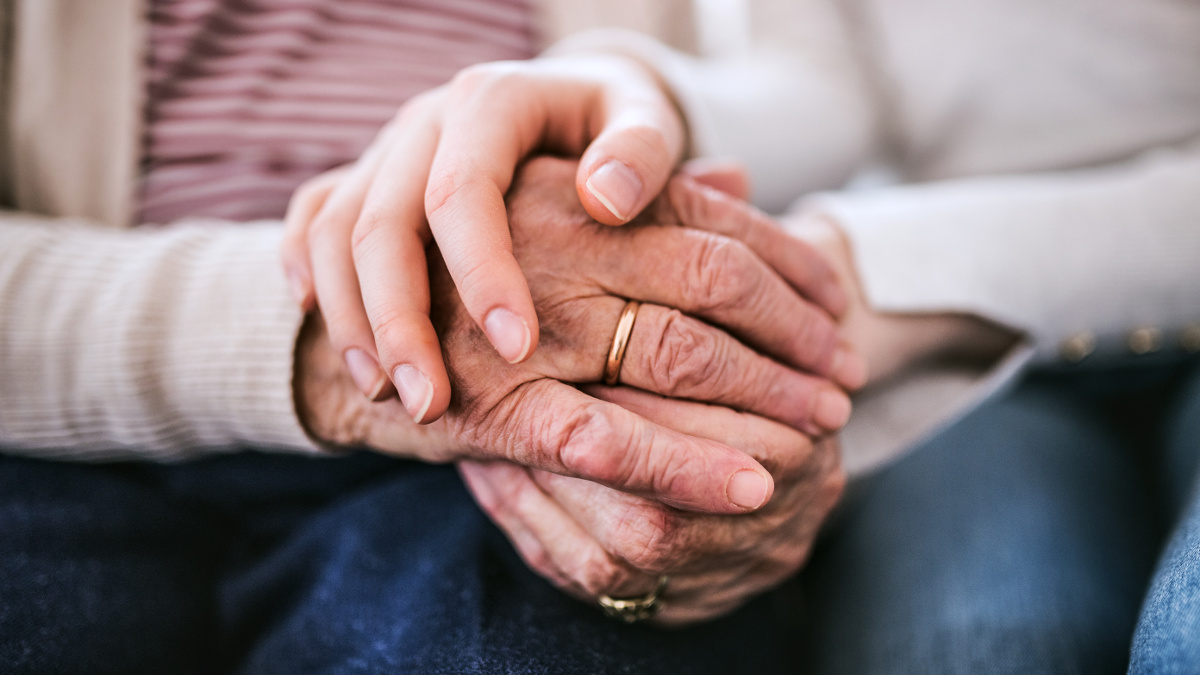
(450,155)
(580,274)
(590,540)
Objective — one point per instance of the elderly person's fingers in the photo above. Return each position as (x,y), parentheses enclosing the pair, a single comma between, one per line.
(551,542)
(715,562)
(704,207)
(388,243)
(724,281)
(787,454)
(658,540)
(672,354)
(591,540)
(702,273)
(727,175)
(335,281)
(552,426)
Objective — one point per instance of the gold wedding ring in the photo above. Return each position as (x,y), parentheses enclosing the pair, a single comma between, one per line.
(633,610)
(616,354)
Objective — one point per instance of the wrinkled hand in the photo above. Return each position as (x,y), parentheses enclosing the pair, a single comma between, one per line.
(441,169)
(590,540)
(580,274)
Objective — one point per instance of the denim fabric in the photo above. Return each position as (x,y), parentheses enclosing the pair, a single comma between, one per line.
(1021,540)
(1168,633)
(263,564)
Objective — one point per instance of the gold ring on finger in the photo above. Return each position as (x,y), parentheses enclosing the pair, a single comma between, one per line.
(616,353)
(633,610)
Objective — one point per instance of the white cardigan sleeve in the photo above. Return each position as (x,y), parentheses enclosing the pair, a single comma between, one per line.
(784,92)
(1093,264)
(157,343)
(1093,267)
(1102,253)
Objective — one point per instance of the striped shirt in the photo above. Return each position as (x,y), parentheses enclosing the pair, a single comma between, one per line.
(249,98)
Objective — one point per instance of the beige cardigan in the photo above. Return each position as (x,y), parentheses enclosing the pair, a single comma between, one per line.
(172,342)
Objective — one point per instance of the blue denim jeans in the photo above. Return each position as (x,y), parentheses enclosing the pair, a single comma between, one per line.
(273,564)
(1029,538)
(1043,533)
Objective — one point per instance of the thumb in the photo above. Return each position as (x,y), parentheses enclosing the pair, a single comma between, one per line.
(630,161)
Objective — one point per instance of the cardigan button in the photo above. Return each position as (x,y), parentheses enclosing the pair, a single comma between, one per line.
(1145,340)
(1077,347)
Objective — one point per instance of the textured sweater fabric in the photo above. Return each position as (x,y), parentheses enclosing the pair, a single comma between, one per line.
(161,343)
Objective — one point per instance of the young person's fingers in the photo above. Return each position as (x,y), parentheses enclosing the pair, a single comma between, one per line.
(388,245)
(335,280)
(639,142)
(491,125)
(306,202)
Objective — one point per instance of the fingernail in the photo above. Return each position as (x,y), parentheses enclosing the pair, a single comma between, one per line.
(297,288)
(509,334)
(416,391)
(617,187)
(849,368)
(367,374)
(748,489)
(832,410)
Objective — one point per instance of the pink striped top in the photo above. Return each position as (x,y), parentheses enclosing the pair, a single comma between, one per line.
(248,98)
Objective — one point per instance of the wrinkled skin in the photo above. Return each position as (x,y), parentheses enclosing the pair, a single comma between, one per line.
(588,539)
(655,496)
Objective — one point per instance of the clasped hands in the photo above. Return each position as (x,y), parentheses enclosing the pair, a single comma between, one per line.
(711,461)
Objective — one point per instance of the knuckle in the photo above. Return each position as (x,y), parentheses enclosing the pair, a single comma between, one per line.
(834,486)
(685,358)
(590,445)
(598,574)
(594,446)
(443,187)
(539,560)
(646,539)
(419,105)
(649,141)
(484,78)
(367,228)
(473,76)
(323,227)
(721,274)
(392,327)
(313,189)
(817,339)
